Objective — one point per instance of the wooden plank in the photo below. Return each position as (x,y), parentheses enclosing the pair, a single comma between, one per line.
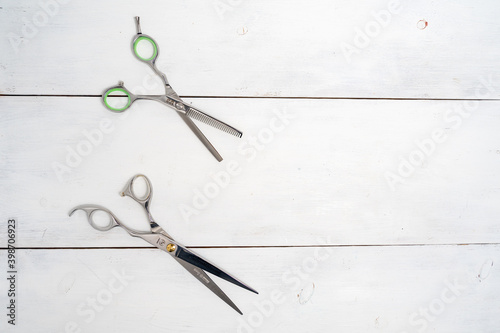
(353,289)
(424,49)
(318,177)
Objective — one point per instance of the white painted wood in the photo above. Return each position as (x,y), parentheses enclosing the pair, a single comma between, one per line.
(352,289)
(319,177)
(320,180)
(254,48)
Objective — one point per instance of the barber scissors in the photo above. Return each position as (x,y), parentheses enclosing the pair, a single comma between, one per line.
(170,98)
(192,262)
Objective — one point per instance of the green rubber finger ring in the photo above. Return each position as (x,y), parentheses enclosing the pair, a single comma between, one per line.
(113,90)
(155,49)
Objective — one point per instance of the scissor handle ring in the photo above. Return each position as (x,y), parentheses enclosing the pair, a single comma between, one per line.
(111,222)
(115,89)
(90,210)
(129,190)
(142,37)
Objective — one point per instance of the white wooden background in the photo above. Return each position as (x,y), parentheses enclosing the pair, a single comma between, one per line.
(309,219)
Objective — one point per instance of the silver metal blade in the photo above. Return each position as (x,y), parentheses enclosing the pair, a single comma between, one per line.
(194,259)
(207,282)
(200,136)
(209,120)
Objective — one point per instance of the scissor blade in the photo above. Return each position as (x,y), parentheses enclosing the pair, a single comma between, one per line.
(200,136)
(190,257)
(209,120)
(207,282)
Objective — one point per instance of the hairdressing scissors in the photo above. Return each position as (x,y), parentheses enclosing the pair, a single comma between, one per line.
(170,98)
(192,262)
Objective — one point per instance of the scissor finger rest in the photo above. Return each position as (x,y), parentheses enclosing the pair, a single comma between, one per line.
(140,37)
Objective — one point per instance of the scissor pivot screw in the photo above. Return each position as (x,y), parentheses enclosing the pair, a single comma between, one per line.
(171,247)
(179,106)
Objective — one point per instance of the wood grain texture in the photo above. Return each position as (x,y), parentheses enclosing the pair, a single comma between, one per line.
(369,289)
(320,179)
(254,48)
(363,196)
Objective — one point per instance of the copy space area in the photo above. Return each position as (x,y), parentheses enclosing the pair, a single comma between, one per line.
(364,195)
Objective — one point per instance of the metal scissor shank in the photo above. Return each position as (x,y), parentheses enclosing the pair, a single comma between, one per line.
(170,98)
(193,263)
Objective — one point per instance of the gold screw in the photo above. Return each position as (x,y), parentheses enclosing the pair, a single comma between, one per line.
(171,247)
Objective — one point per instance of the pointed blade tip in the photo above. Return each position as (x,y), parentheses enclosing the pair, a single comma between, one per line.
(253,290)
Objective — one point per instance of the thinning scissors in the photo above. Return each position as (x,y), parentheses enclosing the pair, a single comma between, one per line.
(170,98)
(192,262)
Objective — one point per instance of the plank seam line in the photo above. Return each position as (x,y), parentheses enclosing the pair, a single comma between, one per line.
(252,246)
(279,97)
